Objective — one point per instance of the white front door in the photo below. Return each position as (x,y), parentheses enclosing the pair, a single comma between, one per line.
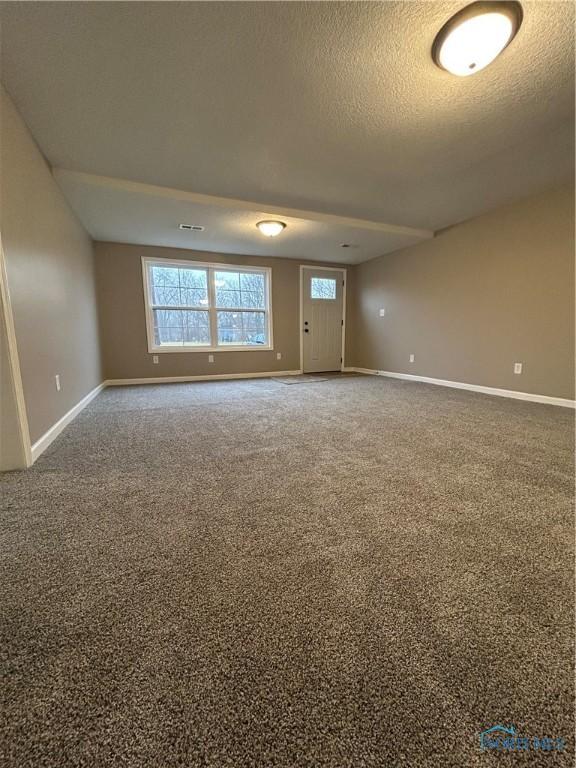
(322,303)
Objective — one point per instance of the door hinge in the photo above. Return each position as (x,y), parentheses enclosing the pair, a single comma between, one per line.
(342,322)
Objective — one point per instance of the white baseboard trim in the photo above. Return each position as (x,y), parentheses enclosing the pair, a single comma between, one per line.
(48,437)
(42,444)
(546,399)
(207,377)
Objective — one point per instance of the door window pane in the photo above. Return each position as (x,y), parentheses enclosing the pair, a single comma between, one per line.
(323,288)
(242,328)
(181,327)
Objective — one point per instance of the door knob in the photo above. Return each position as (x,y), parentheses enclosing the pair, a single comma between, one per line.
(306,330)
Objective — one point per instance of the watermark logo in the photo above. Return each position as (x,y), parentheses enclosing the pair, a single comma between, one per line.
(504,738)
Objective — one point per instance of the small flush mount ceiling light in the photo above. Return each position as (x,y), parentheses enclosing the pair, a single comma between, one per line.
(271,228)
(475,36)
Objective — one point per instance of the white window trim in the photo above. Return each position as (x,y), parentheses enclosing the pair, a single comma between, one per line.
(147,260)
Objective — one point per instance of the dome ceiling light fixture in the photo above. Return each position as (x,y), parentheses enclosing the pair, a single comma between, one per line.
(476,35)
(271,228)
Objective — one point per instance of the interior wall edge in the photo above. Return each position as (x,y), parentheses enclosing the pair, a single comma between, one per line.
(51,275)
(15,448)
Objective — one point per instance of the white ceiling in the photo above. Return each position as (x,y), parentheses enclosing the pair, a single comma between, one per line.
(325,107)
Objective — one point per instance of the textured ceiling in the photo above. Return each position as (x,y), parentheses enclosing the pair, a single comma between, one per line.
(131,212)
(330,107)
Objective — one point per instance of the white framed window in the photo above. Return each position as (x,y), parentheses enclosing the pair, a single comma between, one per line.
(199,307)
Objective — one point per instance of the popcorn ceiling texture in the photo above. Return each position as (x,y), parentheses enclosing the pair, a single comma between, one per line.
(333,107)
(357,572)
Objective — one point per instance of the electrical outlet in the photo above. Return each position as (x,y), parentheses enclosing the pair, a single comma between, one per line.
(278,355)
(411,358)
(210,358)
(155,359)
(382,312)
(57,380)
(517,367)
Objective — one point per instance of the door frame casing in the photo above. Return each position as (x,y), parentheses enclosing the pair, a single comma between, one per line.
(18,454)
(343,270)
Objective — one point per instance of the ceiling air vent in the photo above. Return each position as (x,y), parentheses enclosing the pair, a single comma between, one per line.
(191,227)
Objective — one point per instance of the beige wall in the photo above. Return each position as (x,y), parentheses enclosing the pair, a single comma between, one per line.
(482,295)
(49,261)
(123,324)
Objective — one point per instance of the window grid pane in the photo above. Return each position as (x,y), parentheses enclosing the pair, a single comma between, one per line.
(178,287)
(242,328)
(239,290)
(181,327)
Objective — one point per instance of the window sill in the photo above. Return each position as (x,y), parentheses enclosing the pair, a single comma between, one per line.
(178,350)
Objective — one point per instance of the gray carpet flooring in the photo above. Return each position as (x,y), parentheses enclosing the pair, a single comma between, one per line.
(355,573)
